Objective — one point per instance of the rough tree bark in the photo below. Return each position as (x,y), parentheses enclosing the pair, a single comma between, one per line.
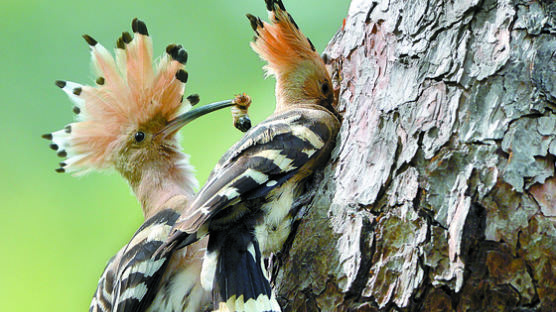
(441,192)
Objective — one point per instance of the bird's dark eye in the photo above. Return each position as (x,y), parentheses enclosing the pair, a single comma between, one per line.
(325,88)
(139,136)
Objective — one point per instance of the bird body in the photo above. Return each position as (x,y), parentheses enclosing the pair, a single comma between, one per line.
(129,275)
(179,289)
(247,202)
(246,205)
(278,215)
(273,159)
(128,121)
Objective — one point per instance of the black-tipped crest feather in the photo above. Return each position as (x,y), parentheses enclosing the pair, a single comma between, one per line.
(60,84)
(177,52)
(270,5)
(182,75)
(120,44)
(92,42)
(126,37)
(194,99)
(253,21)
(138,26)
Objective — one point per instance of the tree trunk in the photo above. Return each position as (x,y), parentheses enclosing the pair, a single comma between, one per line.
(441,192)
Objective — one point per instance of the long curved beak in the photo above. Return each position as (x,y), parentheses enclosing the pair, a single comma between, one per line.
(183,119)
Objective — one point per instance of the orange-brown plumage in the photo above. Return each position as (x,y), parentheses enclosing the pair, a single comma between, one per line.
(301,76)
(281,43)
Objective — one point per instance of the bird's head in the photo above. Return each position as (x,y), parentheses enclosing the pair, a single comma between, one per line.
(129,119)
(301,75)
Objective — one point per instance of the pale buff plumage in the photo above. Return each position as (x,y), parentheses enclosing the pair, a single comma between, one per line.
(130,96)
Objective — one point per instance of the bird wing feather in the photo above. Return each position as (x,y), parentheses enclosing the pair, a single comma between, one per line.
(131,278)
(267,156)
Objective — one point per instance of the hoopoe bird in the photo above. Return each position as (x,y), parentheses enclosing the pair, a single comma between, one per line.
(128,121)
(246,206)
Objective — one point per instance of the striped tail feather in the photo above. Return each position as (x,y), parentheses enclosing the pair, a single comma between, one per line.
(235,271)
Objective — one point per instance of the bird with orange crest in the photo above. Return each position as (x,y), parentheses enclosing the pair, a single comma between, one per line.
(247,207)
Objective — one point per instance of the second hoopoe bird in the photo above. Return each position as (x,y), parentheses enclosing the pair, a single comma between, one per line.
(246,205)
(129,121)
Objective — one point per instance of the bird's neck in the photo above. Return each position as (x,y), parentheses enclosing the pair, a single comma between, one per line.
(288,96)
(159,185)
(283,96)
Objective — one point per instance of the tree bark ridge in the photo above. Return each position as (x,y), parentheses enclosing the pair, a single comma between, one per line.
(439,195)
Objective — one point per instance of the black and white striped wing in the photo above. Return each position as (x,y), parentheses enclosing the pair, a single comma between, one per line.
(131,284)
(267,156)
(102,299)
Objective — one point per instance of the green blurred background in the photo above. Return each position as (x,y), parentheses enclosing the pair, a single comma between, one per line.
(58,231)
